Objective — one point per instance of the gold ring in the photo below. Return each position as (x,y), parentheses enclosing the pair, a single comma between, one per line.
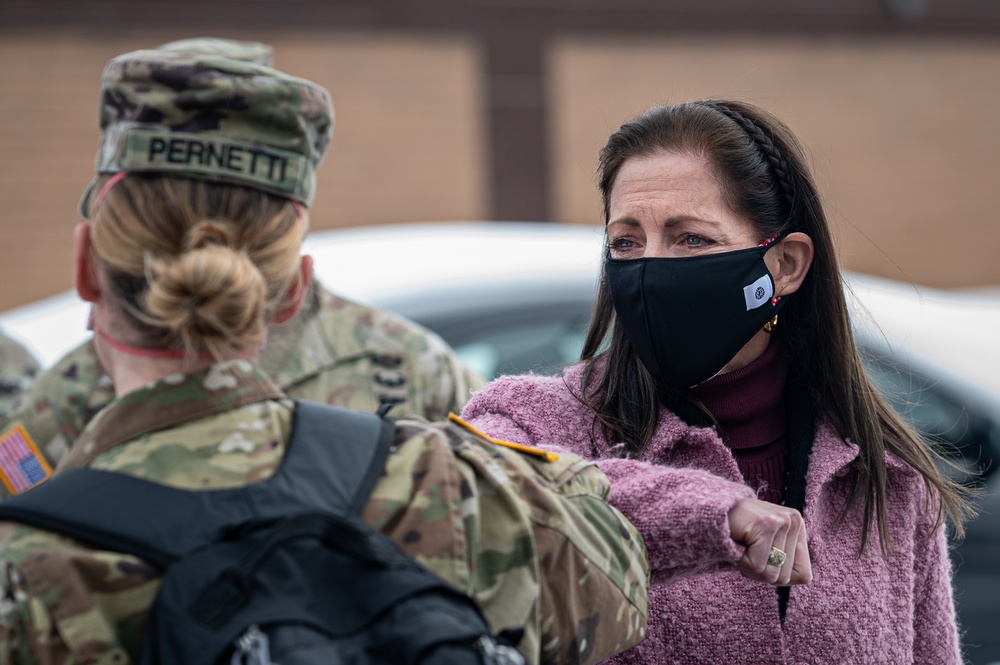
(776,558)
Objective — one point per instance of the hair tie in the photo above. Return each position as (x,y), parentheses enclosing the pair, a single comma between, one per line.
(112,181)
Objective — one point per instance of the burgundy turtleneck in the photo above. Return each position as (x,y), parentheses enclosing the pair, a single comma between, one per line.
(749,405)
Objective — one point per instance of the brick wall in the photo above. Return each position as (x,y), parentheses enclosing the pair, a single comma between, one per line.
(900,133)
(407,145)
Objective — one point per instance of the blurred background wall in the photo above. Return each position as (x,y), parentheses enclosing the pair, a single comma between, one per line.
(495,109)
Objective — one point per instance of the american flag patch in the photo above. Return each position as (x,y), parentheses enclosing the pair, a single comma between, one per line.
(21,465)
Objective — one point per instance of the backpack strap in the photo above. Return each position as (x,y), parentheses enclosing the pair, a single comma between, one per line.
(311,476)
(332,462)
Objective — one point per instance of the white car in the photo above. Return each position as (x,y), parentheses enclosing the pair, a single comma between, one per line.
(538,264)
(516,297)
(376,264)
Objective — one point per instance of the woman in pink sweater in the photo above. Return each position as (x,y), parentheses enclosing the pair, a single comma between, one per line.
(789,514)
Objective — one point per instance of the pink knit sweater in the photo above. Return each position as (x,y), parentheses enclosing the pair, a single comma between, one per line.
(678,494)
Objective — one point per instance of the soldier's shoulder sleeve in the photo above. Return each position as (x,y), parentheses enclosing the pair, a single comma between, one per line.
(441,382)
(418,502)
(17,371)
(450,381)
(60,403)
(530,536)
(61,603)
(66,396)
(436,381)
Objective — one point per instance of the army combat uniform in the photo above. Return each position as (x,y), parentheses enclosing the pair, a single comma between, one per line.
(17,370)
(334,351)
(531,540)
(491,521)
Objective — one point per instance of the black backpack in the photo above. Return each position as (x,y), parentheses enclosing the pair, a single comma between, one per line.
(282,571)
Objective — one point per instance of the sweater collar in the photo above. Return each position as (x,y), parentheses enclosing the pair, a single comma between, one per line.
(749,402)
(832,455)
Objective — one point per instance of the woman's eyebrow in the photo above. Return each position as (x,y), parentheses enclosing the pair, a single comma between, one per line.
(677,219)
(628,221)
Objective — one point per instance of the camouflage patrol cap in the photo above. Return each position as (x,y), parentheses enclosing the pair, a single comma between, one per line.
(257,52)
(208,117)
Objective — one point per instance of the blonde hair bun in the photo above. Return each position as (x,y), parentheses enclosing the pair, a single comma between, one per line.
(197,266)
(212,296)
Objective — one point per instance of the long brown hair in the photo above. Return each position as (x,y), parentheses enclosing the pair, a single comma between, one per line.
(762,171)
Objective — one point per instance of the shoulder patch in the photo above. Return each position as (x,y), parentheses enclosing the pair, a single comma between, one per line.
(22,466)
(528,450)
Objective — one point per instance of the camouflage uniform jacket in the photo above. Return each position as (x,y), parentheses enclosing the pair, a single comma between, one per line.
(17,369)
(533,541)
(335,351)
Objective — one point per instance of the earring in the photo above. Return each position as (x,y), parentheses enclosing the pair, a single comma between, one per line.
(770,325)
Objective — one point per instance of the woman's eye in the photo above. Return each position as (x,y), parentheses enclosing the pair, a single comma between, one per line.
(695,241)
(619,244)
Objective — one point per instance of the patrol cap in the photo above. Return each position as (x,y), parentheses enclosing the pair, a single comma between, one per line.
(256,52)
(207,117)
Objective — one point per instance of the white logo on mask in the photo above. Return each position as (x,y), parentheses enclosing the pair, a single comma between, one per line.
(758,293)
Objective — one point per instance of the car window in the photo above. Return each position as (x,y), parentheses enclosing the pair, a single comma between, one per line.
(542,347)
(937,414)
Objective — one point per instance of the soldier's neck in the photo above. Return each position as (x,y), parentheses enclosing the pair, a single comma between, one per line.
(129,373)
(133,365)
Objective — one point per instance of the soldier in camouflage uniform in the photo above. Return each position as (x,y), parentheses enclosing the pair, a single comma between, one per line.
(17,370)
(335,351)
(528,535)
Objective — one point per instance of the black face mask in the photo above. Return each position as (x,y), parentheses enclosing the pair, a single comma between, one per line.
(687,317)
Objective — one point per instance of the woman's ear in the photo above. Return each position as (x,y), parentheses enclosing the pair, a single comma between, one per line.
(84,271)
(789,262)
(292,302)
